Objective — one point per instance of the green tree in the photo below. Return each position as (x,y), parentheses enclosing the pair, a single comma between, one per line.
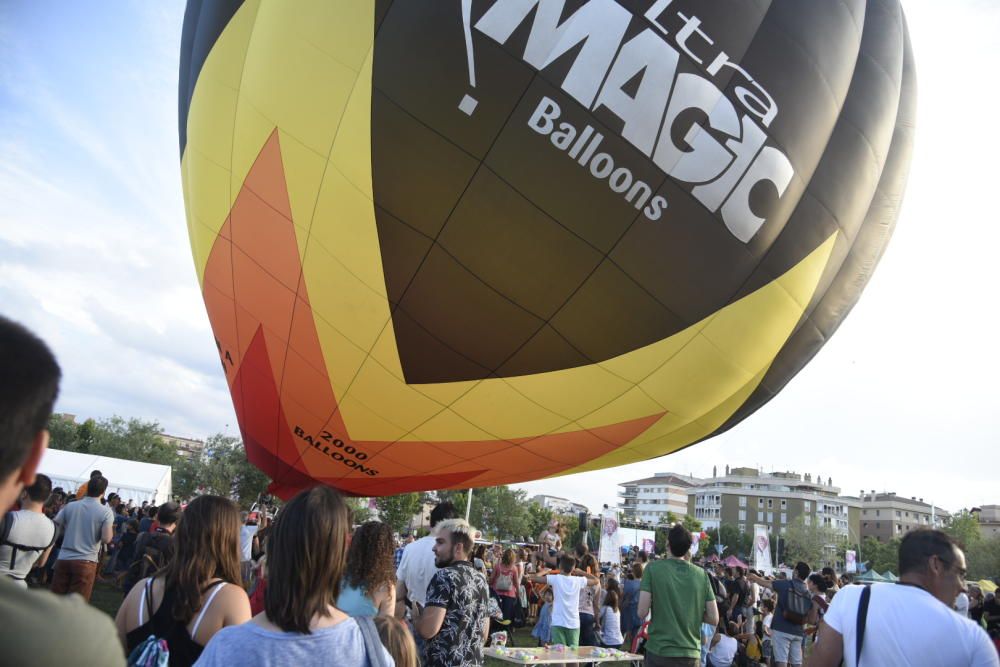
(982,559)
(881,556)
(359,510)
(500,512)
(538,520)
(132,439)
(397,511)
(738,543)
(63,434)
(964,528)
(222,469)
(809,543)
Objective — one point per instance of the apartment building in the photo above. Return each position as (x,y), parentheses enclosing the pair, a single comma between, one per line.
(888,515)
(648,500)
(989,520)
(559,505)
(187,448)
(746,496)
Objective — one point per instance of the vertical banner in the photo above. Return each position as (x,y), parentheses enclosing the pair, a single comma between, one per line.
(648,545)
(851,561)
(610,549)
(762,550)
(695,539)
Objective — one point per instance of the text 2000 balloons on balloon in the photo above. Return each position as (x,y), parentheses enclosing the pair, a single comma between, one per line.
(454,243)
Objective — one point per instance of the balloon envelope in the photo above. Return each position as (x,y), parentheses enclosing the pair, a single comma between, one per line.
(463,243)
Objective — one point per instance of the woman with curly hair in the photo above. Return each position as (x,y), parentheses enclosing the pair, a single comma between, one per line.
(369,584)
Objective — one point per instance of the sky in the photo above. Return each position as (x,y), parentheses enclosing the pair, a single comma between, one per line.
(94,256)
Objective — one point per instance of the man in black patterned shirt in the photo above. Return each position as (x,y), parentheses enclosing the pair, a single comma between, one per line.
(455,620)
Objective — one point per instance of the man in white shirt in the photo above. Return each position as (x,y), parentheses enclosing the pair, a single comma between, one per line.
(910,623)
(248,534)
(566,589)
(26,536)
(416,567)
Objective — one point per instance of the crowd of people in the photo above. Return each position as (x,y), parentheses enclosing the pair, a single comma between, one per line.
(205,584)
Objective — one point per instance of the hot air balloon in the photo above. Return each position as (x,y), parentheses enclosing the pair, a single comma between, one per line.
(457,243)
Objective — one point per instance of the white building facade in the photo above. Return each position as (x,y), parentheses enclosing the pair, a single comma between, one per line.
(651,499)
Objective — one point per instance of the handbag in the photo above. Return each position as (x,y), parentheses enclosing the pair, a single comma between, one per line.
(504,582)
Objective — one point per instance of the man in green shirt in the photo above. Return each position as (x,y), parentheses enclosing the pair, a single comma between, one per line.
(680,596)
(37,627)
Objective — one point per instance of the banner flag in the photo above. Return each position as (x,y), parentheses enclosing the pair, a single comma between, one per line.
(762,550)
(851,561)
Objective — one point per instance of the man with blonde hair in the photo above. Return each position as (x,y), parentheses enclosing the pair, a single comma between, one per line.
(454,620)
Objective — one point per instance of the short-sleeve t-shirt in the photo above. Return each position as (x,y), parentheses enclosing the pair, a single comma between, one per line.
(463,593)
(83,521)
(566,599)
(908,626)
(39,628)
(741,588)
(28,529)
(680,592)
(780,623)
(247,533)
(587,596)
(250,645)
(416,568)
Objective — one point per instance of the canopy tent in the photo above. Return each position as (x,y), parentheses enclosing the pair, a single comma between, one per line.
(733,561)
(129,479)
(889,576)
(871,576)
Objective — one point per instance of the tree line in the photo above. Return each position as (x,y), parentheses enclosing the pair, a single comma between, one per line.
(221,468)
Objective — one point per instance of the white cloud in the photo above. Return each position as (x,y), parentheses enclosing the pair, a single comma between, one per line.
(94,256)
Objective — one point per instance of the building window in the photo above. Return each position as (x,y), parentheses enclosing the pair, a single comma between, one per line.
(876,512)
(760,516)
(878,524)
(808,519)
(743,515)
(898,514)
(784,503)
(784,518)
(743,528)
(807,506)
(864,512)
(770,517)
(770,503)
(760,502)
(743,501)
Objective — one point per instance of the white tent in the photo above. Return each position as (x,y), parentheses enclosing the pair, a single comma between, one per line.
(129,479)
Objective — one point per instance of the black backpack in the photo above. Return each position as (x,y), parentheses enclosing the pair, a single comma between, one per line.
(152,556)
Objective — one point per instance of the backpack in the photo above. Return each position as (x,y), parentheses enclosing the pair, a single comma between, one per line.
(797,603)
(721,598)
(154,555)
(5,527)
(504,582)
(153,651)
